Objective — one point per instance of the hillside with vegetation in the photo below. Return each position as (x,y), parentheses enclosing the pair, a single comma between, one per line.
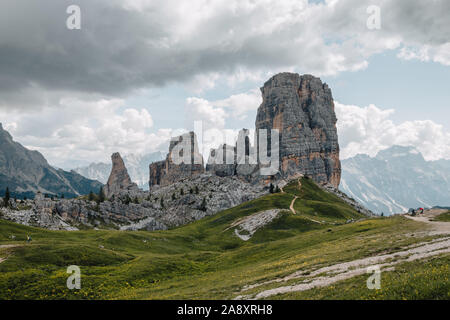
(299,243)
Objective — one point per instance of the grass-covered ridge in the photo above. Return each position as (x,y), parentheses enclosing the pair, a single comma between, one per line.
(202,260)
(445,217)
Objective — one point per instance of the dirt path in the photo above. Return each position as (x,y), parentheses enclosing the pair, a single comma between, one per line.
(328,275)
(291,207)
(435,227)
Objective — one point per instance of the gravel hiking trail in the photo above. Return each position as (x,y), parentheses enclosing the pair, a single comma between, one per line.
(326,276)
(434,227)
(291,207)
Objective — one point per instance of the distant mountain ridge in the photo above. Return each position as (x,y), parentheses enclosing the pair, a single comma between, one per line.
(396,179)
(137,166)
(25,172)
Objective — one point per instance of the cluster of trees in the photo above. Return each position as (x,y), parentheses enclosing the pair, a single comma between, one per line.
(273,189)
(99,198)
(191,191)
(53,196)
(7,198)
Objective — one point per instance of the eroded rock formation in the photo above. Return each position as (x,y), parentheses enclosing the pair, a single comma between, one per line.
(222,161)
(183,161)
(302,109)
(119,180)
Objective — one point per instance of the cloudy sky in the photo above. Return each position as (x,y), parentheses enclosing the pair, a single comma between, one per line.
(140,71)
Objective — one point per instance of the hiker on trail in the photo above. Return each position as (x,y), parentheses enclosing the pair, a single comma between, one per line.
(421,210)
(413,213)
(29,238)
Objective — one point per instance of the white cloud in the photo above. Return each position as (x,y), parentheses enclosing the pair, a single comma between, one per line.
(198,42)
(198,109)
(241,104)
(86,130)
(202,82)
(367,130)
(214,114)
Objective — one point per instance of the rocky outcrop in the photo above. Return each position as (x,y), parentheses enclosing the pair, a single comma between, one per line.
(302,109)
(26,172)
(246,161)
(183,161)
(119,180)
(174,205)
(137,166)
(183,199)
(239,160)
(222,161)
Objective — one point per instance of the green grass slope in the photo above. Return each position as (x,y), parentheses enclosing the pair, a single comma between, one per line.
(445,217)
(202,260)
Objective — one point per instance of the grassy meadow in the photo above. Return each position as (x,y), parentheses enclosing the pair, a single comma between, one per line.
(205,260)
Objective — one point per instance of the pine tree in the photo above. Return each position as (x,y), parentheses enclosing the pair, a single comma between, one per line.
(271,188)
(203,205)
(277,189)
(191,190)
(162,202)
(136,200)
(182,192)
(101,195)
(6,198)
(173,196)
(196,190)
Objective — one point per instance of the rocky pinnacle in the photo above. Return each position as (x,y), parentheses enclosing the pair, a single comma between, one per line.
(302,109)
(178,166)
(119,180)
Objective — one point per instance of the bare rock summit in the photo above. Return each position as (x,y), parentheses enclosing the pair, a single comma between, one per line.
(302,109)
(183,161)
(119,179)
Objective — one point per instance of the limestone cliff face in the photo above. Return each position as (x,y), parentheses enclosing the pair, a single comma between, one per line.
(183,161)
(239,160)
(119,180)
(222,161)
(302,109)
